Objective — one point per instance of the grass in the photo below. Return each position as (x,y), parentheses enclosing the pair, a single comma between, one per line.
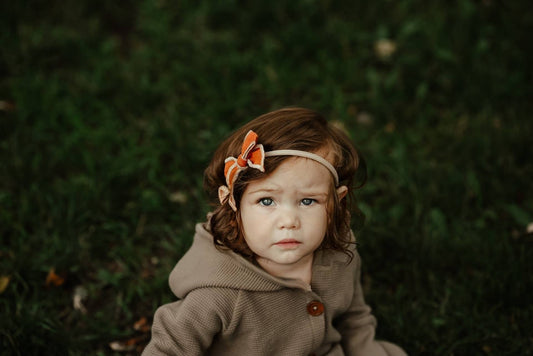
(110,112)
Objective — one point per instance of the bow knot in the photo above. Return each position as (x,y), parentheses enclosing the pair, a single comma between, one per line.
(252,155)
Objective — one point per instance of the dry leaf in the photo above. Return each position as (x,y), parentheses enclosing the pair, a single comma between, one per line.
(80,293)
(390,127)
(364,118)
(6,106)
(137,342)
(121,346)
(142,325)
(128,345)
(384,48)
(4,282)
(352,110)
(140,225)
(178,197)
(54,279)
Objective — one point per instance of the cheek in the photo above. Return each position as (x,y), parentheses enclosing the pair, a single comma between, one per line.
(251,222)
(318,221)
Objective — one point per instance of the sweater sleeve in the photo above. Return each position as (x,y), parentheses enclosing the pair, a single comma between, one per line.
(357,325)
(186,327)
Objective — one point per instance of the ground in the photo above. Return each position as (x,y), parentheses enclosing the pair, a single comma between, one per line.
(110,111)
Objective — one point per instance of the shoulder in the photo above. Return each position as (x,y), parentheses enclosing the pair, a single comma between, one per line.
(202,305)
(211,299)
(189,325)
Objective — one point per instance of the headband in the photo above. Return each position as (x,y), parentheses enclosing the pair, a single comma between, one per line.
(253,156)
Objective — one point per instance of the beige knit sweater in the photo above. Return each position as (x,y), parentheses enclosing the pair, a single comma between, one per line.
(229,306)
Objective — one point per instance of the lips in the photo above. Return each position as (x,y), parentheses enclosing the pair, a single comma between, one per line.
(288,243)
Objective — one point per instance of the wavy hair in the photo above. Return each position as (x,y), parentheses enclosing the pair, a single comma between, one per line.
(295,129)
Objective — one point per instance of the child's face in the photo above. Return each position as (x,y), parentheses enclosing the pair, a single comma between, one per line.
(284,215)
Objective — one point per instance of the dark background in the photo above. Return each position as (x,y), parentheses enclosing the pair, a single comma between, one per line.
(110,111)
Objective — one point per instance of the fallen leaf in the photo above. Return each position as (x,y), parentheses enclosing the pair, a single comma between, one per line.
(54,279)
(364,118)
(4,282)
(178,197)
(6,106)
(142,325)
(390,127)
(352,110)
(384,48)
(140,225)
(128,345)
(121,346)
(80,293)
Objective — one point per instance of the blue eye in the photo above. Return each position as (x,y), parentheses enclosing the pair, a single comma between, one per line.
(266,201)
(308,201)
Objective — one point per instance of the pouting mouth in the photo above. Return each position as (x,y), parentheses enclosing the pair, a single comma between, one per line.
(287,241)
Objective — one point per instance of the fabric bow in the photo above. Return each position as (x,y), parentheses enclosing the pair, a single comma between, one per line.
(252,155)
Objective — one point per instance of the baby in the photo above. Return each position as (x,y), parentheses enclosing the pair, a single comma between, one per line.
(274,270)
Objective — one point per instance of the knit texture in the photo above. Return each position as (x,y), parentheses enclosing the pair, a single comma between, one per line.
(229,306)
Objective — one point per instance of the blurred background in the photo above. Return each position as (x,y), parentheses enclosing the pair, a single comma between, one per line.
(110,111)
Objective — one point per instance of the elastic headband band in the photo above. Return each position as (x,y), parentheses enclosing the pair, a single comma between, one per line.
(253,155)
(309,155)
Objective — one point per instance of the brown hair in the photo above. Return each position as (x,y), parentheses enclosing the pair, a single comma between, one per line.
(289,128)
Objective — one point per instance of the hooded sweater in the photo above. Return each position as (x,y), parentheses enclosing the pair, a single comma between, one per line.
(228,305)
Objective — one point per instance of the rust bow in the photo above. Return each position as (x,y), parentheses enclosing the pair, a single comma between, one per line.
(252,155)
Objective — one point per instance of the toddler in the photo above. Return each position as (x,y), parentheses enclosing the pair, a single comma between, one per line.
(274,270)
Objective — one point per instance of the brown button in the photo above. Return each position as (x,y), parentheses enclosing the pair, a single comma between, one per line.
(315,308)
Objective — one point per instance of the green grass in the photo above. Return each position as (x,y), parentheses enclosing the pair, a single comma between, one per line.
(111,111)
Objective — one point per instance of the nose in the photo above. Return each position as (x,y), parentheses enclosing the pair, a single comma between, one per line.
(288,219)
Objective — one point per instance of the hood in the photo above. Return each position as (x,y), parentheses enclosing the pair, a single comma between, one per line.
(206,266)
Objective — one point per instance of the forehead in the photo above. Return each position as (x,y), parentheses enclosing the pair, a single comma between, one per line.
(295,173)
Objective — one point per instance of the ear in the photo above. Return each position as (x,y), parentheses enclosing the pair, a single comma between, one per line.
(224,194)
(342,191)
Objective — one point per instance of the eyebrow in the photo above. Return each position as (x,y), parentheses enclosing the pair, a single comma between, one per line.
(315,195)
(310,192)
(265,190)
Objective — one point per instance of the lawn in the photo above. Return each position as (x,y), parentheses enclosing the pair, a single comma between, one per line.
(110,111)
